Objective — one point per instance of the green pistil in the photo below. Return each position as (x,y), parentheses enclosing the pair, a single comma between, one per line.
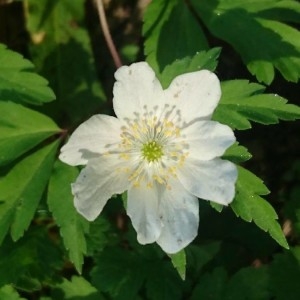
(152,151)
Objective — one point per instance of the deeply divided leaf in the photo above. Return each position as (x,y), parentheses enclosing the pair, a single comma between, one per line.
(171,32)
(243,102)
(18,82)
(60,200)
(237,153)
(251,207)
(203,60)
(77,287)
(7,292)
(21,129)
(21,190)
(30,262)
(263,43)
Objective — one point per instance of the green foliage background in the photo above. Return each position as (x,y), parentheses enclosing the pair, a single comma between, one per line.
(56,71)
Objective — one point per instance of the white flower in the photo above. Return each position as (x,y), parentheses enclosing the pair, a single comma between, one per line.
(162,148)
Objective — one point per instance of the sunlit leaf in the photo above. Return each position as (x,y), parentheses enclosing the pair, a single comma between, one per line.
(204,60)
(251,207)
(21,190)
(7,292)
(21,129)
(171,32)
(237,153)
(263,43)
(243,102)
(76,288)
(72,225)
(179,262)
(18,82)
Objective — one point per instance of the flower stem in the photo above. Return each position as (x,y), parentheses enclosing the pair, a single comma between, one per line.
(107,35)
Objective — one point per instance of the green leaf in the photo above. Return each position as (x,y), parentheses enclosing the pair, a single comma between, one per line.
(275,46)
(211,286)
(100,235)
(171,32)
(72,226)
(18,82)
(22,188)
(163,282)
(119,272)
(202,60)
(249,284)
(30,262)
(21,129)
(237,153)
(62,53)
(77,288)
(7,292)
(285,274)
(179,262)
(292,206)
(242,102)
(251,207)
(199,256)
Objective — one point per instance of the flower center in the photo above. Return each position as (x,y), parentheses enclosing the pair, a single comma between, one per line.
(152,151)
(152,146)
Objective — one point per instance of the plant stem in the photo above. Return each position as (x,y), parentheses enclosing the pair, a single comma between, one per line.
(107,35)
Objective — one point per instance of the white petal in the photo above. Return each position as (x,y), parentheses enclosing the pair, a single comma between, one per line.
(96,183)
(136,86)
(210,180)
(196,94)
(180,211)
(208,139)
(91,138)
(142,208)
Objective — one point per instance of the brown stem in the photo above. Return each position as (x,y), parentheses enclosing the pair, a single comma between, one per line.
(107,35)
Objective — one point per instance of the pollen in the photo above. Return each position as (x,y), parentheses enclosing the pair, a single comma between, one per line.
(152,151)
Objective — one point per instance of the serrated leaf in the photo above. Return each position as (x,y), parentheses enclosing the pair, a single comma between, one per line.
(77,288)
(171,32)
(62,53)
(236,110)
(251,207)
(286,10)
(119,272)
(202,60)
(179,262)
(99,236)
(237,153)
(22,188)
(18,82)
(72,226)
(29,262)
(7,292)
(21,129)
(275,46)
